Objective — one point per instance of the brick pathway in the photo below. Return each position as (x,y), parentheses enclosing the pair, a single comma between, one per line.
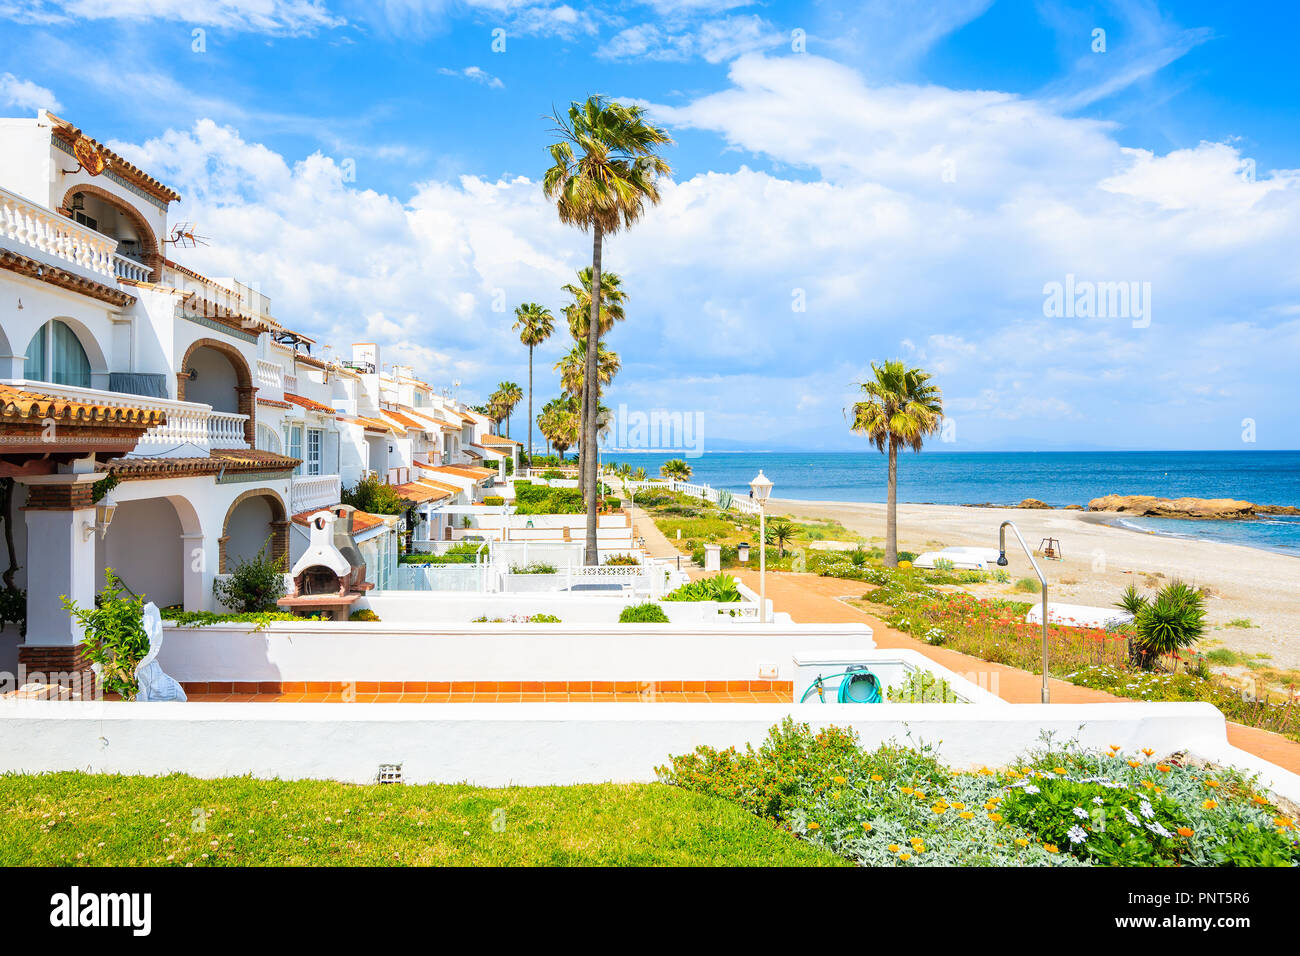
(810,598)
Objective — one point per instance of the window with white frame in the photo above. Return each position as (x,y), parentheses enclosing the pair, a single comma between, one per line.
(315,441)
(293,443)
(55,355)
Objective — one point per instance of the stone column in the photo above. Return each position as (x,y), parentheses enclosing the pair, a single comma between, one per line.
(60,562)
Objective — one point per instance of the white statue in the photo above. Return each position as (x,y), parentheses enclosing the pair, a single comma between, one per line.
(154,684)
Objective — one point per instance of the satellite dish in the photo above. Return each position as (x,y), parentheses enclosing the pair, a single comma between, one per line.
(89,156)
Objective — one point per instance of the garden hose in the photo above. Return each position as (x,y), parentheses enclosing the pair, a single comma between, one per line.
(858,680)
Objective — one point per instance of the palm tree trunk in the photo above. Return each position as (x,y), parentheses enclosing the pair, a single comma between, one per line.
(530,406)
(891,510)
(589,387)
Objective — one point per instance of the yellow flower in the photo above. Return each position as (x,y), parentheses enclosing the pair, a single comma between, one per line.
(966,815)
(877,777)
(920,794)
(1114,746)
(893,848)
(904,564)
(995,817)
(1148,784)
(1021,841)
(905,857)
(1060,770)
(814,825)
(957,806)
(1259,800)
(866,827)
(839,780)
(985,772)
(939,809)
(1209,804)
(1212,783)
(907,790)
(1050,848)
(1185,831)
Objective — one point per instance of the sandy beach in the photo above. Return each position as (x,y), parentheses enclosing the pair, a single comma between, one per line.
(1100,559)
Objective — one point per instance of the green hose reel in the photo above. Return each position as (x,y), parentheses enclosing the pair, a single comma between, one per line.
(858,686)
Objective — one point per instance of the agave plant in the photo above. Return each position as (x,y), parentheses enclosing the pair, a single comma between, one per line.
(724,500)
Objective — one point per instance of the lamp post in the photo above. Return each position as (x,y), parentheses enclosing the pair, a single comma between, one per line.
(1002,563)
(762,487)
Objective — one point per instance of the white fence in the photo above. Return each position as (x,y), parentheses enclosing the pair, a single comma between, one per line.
(740,502)
(314,491)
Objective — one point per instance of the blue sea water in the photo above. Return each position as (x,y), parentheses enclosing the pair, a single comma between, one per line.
(1005,478)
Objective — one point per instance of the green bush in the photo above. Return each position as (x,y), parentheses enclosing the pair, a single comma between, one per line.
(719,587)
(365,614)
(621,560)
(1029,585)
(493,500)
(464,553)
(113,635)
(535,567)
(544,619)
(185,618)
(253,585)
(907,556)
(1172,622)
(371,495)
(647,613)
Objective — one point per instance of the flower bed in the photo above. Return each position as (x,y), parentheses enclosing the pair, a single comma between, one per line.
(1060,805)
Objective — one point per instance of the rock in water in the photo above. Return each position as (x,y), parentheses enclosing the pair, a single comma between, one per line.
(1033,503)
(1218,509)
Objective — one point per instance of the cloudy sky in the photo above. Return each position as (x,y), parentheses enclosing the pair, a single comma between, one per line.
(852,182)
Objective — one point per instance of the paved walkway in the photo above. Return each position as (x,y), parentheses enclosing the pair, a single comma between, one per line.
(810,598)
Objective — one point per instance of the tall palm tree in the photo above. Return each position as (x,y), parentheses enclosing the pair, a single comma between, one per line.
(559,423)
(578,314)
(901,408)
(676,468)
(535,324)
(604,189)
(507,396)
(572,367)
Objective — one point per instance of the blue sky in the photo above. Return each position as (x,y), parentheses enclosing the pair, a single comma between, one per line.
(916,174)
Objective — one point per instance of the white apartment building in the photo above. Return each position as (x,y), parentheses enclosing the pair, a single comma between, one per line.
(164,423)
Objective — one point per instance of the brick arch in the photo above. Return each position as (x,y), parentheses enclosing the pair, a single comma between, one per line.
(245,388)
(152,254)
(279,526)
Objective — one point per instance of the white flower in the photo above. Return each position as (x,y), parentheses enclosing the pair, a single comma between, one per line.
(1098,800)
(1081,813)
(1128,815)
(1157,828)
(1146,810)
(1030,788)
(1077,834)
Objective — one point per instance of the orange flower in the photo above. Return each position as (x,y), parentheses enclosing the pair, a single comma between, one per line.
(1148,751)
(1209,804)
(1163,767)
(1184,831)
(995,817)
(1282,822)
(1212,783)
(1060,770)
(866,827)
(1050,848)
(1135,763)
(893,848)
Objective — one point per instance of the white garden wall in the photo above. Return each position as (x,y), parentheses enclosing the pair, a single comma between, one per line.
(341,652)
(536,744)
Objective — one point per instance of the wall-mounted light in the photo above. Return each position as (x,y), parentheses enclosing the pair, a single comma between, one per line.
(103,518)
(78,202)
(191,373)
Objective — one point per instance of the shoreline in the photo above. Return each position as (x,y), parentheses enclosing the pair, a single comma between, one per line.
(1251,606)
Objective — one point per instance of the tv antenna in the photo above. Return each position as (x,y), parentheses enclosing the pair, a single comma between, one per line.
(183,236)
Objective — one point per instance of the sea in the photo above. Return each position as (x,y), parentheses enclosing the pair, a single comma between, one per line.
(1006,478)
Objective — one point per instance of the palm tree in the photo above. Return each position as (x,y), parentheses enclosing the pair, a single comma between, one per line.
(675,468)
(900,409)
(506,397)
(612,302)
(560,425)
(604,189)
(572,368)
(535,324)
(781,532)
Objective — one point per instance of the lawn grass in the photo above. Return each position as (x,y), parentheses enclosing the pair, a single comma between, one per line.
(110,820)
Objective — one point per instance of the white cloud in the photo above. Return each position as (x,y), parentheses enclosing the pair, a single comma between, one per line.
(262,16)
(711,40)
(882,250)
(477,74)
(25,95)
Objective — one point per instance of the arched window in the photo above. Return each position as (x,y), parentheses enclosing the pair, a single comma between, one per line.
(267,439)
(55,355)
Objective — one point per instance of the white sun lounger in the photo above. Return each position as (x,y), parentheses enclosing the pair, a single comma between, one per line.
(1079,615)
(966,559)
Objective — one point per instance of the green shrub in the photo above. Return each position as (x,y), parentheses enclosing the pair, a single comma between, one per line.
(365,614)
(374,496)
(113,635)
(185,618)
(535,567)
(253,585)
(719,587)
(622,560)
(1029,585)
(647,613)
(493,500)
(544,619)
(907,556)
(922,687)
(1172,622)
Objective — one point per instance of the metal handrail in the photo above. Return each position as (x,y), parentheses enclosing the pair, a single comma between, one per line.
(1002,563)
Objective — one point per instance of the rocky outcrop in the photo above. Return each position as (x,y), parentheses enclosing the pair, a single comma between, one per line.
(1217,509)
(1074,507)
(1277,510)
(1033,503)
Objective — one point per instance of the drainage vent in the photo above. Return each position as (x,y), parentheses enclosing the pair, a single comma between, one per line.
(390,773)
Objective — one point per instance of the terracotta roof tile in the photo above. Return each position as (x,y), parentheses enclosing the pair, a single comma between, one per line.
(496,440)
(122,167)
(310,404)
(419,492)
(465,471)
(225,460)
(20,403)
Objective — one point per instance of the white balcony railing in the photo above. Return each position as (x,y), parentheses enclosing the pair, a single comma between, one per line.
(314,491)
(55,236)
(270,380)
(192,429)
(125,268)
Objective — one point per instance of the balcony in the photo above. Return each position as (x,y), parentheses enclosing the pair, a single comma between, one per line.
(33,229)
(270,380)
(310,492)
(127,268)
(192,429)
